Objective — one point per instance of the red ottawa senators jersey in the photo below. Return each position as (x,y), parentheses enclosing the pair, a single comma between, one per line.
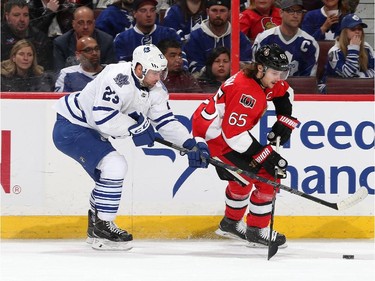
(226,119)
(252,23)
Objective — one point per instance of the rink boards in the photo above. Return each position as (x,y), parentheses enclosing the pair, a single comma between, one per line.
(45,194)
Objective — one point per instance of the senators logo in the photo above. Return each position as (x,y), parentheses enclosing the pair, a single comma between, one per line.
(247,101)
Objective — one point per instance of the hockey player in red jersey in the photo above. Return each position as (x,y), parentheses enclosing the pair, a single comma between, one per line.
(226,121)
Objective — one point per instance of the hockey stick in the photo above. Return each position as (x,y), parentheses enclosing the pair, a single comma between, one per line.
(352,200)
(273,247)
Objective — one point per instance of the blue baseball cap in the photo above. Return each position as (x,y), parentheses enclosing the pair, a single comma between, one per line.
(352,20)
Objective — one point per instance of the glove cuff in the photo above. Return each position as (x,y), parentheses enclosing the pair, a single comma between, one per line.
(262,155)
(189,143)
(288,121)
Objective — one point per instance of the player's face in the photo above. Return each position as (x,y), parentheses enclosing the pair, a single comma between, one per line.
(272,76)
(174,57)
(221,67)
(84,23)
(152,77)
(145,16)
(23,59)
(18,19)
(218,15)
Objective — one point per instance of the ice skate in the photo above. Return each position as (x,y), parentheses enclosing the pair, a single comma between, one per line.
(108,236)
(258,237)
(90,227)
(229,228)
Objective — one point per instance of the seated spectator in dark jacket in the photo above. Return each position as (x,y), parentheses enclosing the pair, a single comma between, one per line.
(217,70)
(17,26)
(53,17)
(145,31)
(83,25)
(74,78)
(21,72)
(116,18)
(179,80)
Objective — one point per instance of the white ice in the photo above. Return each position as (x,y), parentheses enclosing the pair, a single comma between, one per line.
(190,260)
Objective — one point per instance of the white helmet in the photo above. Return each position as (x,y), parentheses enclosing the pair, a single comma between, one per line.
(151,58)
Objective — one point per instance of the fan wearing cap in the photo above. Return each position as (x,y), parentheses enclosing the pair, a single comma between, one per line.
(227,122)
(145,31)
(300,47)
(351,56)
(215,31)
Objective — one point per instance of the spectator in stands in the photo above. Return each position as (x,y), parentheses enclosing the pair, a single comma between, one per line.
(17,26)
(74,78)
(178,80)
(21,72)
(185,16)
(117,17)
(53,17)
(217,70)
(145,31)
(351,56)
(350,5)
(213,32)
(260,16)
(83,25)
(324,23)
(301,48)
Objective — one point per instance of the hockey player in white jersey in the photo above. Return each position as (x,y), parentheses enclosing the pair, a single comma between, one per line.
(125,99)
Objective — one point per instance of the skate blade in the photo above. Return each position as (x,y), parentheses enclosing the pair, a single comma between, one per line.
(90,240)
(258,245)
(228,235)
(107,245)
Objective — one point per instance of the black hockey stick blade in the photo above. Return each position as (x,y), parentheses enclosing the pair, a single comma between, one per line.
(354,199)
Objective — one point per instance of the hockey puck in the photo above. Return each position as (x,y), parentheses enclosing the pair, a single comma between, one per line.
(348,257)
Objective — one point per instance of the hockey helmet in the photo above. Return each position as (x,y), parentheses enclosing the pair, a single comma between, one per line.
(272,56)
(151,58)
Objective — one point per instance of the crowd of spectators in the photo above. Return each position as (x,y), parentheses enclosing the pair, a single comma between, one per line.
(68,42)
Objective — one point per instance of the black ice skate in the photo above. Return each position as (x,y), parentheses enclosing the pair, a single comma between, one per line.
(90,227)
(258,237)
(108,236)
(229,228)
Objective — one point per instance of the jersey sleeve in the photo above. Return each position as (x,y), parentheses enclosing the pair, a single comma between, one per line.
(163,119)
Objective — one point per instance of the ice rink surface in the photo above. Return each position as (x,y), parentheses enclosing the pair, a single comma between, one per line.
(193,260)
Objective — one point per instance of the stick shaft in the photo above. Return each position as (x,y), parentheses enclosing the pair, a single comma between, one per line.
(218,163)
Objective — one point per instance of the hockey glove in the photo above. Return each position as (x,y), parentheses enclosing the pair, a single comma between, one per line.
(271,160)
(198,153)
(282,128)
(143,133)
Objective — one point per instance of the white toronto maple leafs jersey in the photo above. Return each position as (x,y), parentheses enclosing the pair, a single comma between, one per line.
(106,101)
